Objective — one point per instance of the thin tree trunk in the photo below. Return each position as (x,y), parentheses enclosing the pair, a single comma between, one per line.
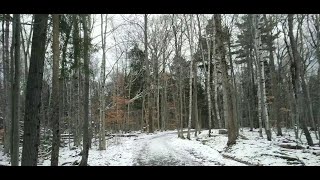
(297,84)
(209,73)
(55,93)
(164,95)
(76,77)
(195,100)
(158,99)
(15,138)
(102,136)
(308,104)
(259,105)
(181,107)
(31,136)
(190,34)
(8,92)
(148,88)
(215,85)
(85,154)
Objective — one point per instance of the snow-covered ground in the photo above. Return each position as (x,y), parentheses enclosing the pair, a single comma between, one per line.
(166,149)
(253,150)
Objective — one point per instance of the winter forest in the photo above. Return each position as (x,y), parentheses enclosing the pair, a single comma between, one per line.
(159,90)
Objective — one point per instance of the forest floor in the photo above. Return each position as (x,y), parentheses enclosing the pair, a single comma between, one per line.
(166,149)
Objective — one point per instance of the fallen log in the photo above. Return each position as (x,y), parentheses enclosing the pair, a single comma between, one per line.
(291,146)
(122,135)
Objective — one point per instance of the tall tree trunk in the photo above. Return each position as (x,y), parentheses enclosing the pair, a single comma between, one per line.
(228,101)
(208,79)
(190,38)
(75,81)
(206,71)
(164,94)
(15,138)
(308,103)
(317,25)
(148,88)
(181,105)
(274,89)
(102,136)
(259,103)
(251,93)
(297,84)
(55,92)
(292,100)
(85,153)
(63,89)
(261,71)
(195,100)
(31,136)
(8,92)
(215,85)
(235,95)
(158,97)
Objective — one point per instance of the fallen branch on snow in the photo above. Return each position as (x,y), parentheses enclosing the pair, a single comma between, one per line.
(288,158)
(290,146)
(240,160)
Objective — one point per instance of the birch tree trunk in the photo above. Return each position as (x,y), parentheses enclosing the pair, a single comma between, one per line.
(261,71)
(259,102)
(215,79)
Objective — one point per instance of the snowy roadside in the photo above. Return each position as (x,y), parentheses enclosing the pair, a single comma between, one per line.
(258,151)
